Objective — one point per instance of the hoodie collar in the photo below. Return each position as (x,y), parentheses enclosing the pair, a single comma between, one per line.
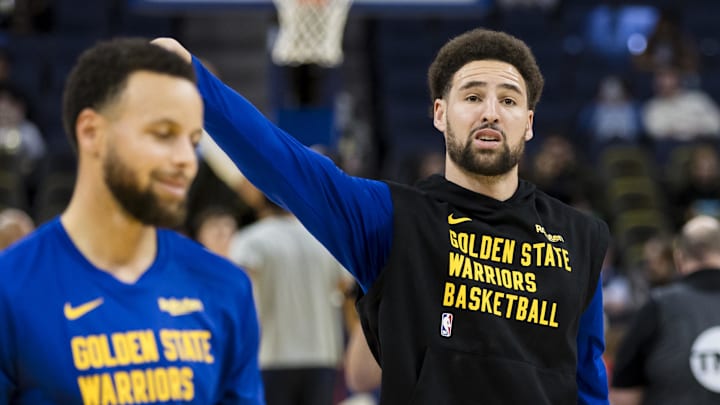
(441,189)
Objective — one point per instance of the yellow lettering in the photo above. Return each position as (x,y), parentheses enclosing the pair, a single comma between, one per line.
(552,322)
(121,347)
(496,303)
(485,247)
(467,270)
(186,382)
(90,389)
(453,239)
(139,387)
(506,277)
(486,306)
(489,274)
(80,353)
(496,245)
(549,256)
(123,387)
(509,251)
(166,339)
(533,313)
(521,312)
(148,346)
(471,246)
(449,296)
(478,272)
(566,260)
(456,262)
(530,282)
(463,242)
(525,256)
(511,300)
(460,297)
(517,281)
(150,381)
(475,293)
(107,390)
(543,307)
(204,337)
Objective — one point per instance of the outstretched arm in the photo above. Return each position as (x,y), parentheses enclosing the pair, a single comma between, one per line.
(351,216)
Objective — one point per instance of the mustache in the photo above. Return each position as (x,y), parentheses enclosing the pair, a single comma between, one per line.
(178,176)
(489,125)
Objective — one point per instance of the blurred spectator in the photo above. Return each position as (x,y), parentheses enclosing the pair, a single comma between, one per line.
(618,299)
(657,267)
(610,26)
(669,46)
(557,170)
(25,17)
(362,371)
(420,165)
(22,146)
(214,227)
(669,354)
(299,289)
(699,191)
(14,225)
(678,113)
(614,115)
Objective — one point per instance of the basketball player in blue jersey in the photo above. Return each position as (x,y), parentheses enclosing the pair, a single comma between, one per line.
(479,288)
(103,305)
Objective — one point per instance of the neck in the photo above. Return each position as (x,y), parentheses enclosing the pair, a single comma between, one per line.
(108,237)
(500,187)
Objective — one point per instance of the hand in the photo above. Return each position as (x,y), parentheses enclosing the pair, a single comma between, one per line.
(174,46)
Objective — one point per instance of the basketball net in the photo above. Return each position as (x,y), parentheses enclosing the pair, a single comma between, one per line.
(311,32)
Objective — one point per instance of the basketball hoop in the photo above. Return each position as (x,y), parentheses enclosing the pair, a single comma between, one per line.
(311,32)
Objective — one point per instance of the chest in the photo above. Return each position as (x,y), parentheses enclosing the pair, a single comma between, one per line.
(87,344)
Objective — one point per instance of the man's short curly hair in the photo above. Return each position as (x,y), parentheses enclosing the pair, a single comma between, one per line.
(101,74)
(482,44)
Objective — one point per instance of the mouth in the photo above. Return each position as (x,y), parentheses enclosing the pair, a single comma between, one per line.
(488,135)
(487,138)
(175,186)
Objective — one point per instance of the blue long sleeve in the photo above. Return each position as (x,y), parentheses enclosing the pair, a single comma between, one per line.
(591,371)
(351,216)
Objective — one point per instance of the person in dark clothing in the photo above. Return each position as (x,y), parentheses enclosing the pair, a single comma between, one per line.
(670,353)
(479,288)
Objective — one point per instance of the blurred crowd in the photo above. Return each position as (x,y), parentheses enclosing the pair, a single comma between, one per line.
(644,163)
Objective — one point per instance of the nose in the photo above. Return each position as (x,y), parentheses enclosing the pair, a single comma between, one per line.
(184,154)
(490,110)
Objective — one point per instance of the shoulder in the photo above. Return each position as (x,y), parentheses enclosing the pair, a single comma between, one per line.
(23,253)
(575,217)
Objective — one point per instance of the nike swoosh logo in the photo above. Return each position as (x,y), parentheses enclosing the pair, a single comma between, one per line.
(73,313)
(455,221)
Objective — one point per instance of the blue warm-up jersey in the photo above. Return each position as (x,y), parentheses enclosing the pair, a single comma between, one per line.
(351,216)
(70,333)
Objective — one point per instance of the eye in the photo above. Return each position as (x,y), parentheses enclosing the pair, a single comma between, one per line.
(508,101)
(161,134)
(472,98)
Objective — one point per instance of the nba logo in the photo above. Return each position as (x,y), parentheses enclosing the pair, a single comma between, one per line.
(446,324)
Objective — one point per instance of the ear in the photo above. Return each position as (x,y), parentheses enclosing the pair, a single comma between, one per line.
(439,111)
(529,128)
(87,131)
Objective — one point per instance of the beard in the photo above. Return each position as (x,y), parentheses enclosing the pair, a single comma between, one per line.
(483,162)
(142,204)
